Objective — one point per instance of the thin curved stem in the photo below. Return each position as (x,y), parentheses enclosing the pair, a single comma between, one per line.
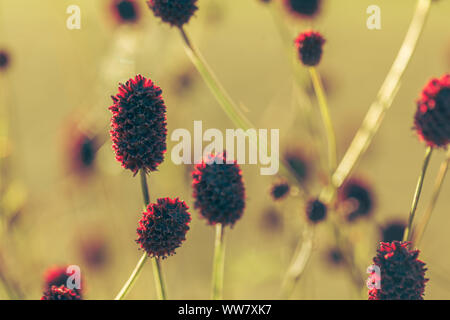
(408,234)
(134,275)
(326,118)
(218,263)
(298,263)
(423,224)
(385,97)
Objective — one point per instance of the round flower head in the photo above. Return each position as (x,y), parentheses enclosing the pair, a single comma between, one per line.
(139,125)
(125,11)
(4,60)
(271,220)
(309,45)
(303,8)
(401,275)
(163,227)
(432,119)
(358,198)
(280,190)
(393,231)
(60,293)
(316,211)
(174,12)
(335,256)
(219,191)
(81,151)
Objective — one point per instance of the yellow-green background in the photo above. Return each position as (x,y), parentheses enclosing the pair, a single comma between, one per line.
(57,72)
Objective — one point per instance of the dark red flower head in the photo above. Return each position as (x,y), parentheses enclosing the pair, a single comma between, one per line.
(271,220)
(303,8)
(316,211)
(357,199)
(4,60)
(335,256)
(393,231)
(60,293)
(125,11)
(309,45)
(81,150)
(59,276)
(432,119)
(174,12)
(280,190)
(139,125)
(94,250)
(163,227)
(401,275)
(219,190)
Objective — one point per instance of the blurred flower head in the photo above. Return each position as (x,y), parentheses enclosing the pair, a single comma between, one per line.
(334,256)
(310,47)
(139,125)
(94,251)
(303,8)
(316,211)
(58,276)
(356,198)
(125,11)
(219,191)
(163,227)
(279,190)
(4,60)
(402,274)
(432,119)
(298,165)
(271,220)
(174,12)
(393,231)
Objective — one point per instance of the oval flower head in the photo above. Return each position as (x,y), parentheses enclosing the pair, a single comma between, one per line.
(309,45)
(138,125)
(219,191)
(303,8)
(125,11)
(432,119)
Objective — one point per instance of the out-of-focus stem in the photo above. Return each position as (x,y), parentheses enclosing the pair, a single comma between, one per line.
(385,97)
(408,234)
(326,118)
(298,263)
(422,225)
(218,263)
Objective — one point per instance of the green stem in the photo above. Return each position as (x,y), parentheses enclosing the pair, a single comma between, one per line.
(385,97)
(218,263)
(224,99)
(134,275)
(159,282)
(408,234)
(422,226)
(298,263)
(328,124)
(161,292)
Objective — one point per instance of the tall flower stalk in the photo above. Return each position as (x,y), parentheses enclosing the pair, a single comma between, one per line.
(423,224)
(408,231)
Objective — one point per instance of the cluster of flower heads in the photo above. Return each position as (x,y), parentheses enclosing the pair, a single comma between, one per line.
(310,47)
(303,8)
(125,11)
(432,119)
(163,227)
(402,275)
(219,190)
(139,128)
(174,12)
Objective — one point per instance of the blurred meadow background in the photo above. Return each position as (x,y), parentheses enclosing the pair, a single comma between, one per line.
(59,83)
